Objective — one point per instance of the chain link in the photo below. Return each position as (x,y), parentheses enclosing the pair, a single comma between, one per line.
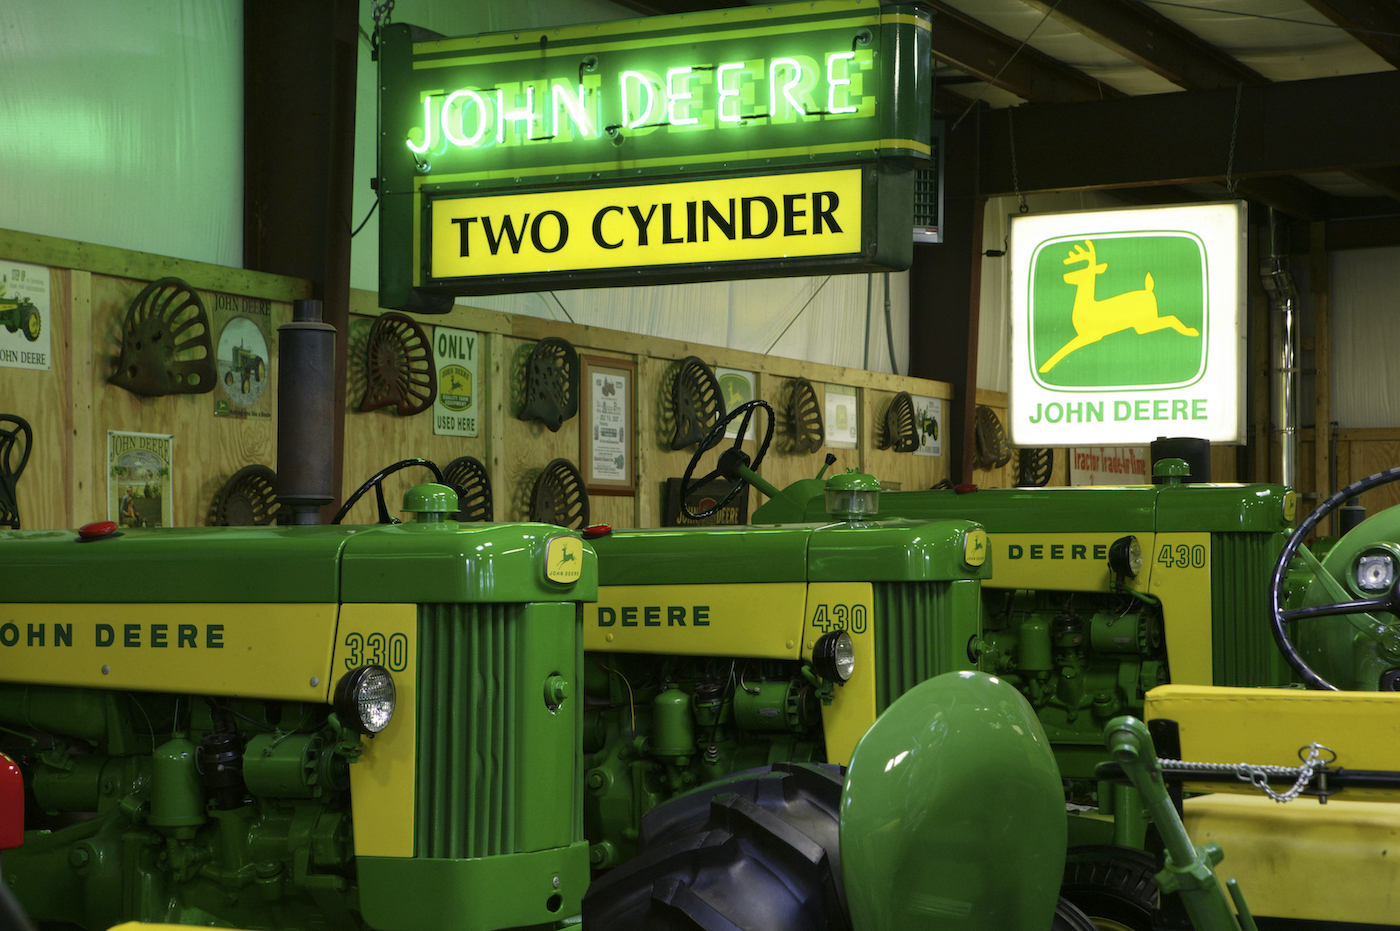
(382,12)
(1230,183)
(1258,775)
(1015,179)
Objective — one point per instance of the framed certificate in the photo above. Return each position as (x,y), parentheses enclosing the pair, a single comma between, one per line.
(608,450)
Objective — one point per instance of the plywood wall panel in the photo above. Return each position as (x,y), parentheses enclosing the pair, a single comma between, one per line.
(379,438)
(45,401)
(207,449)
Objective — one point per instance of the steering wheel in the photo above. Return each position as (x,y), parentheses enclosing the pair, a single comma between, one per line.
(1389,602)
(376,481)
(730,461)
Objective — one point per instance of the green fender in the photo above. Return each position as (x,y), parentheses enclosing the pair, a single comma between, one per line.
(953,811)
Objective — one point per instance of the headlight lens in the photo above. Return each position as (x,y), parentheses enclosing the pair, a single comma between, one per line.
(1375,572)
(364,699)
(1125,556)
(834,656)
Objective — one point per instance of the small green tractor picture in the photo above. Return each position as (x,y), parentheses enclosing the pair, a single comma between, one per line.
(247,366)
(19,315)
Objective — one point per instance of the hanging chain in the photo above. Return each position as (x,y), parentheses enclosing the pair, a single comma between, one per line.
(381,11)
(1230,183)
(1258,776)
(1015,179)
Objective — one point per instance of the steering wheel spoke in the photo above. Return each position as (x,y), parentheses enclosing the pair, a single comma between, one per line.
(376,481)
(1340,607)
(734,454)
(1340,604)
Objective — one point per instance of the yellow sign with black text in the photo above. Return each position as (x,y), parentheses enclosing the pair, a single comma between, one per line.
(815,213)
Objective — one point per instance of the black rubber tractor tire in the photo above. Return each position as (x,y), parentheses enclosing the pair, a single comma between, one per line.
(1069,917)
(757,851)
(1114,886)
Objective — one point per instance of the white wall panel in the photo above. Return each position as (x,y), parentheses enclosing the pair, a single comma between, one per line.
(123,124)
(1365,310)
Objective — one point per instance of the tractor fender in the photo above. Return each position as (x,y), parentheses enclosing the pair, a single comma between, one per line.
(953,810)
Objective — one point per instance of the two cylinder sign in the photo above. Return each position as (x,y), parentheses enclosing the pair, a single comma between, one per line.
(457,353)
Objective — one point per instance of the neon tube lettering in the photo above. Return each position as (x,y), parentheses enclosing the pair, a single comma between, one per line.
(640,79)
(725,93)
(833,82)
(787,88)
(455,134)
(682,98)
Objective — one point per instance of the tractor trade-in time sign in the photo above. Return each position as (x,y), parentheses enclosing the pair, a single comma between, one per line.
(1127,325)
(747,142)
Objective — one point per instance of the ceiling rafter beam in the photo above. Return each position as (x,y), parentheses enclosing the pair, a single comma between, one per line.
(1291,127)
(1141,34)
(1373,23)
(1001,60)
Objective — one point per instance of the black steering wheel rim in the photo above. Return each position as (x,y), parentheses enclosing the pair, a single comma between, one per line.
(376,481)
(1279,617)
(735,455)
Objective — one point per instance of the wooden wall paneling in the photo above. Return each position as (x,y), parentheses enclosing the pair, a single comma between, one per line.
(1369,457)
(495,409)
(207,449)
(145,266)
(528,446)
(783,464)
(85,475)
(1318,280)
(910,472)
(45,401)
(378,438)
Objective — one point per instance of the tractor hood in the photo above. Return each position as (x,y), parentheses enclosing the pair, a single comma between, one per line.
(1220,508)
(390,563)
(889,550)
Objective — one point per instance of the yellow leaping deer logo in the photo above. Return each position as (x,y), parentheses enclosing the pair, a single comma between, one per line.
(1094,319)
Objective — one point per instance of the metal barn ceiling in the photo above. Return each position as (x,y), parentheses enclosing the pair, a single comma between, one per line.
(1150,98)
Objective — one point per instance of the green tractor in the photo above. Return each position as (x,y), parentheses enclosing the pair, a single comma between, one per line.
(19,315)
(298,727)
(1099,594)
(1087,600)
(247,367)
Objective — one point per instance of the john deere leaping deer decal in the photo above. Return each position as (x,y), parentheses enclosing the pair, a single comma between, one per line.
(1094,318)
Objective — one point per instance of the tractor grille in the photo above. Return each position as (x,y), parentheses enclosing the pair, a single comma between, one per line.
(921,630)
(467,728)
(1243,649)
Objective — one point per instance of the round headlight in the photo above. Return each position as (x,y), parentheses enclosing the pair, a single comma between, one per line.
(1125,556)
(1375,572)
(364,699)
(834,656)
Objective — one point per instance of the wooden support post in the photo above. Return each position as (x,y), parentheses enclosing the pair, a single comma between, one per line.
(945,293)
(1320,280)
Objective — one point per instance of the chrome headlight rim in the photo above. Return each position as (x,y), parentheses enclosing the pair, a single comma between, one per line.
(1125,556)
(834,656)
(358,708)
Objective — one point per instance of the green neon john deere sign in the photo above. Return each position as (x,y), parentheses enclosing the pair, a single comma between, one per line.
(755,92)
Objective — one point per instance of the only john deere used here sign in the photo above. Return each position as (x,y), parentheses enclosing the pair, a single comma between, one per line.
(1126,326)
(736,143)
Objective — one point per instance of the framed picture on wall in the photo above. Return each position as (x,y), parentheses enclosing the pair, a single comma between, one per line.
(608,452)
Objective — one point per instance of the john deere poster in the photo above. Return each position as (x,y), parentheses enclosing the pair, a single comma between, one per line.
(456,353)
(840,419)
(928,420)
(25,325)
(139,479)
(736,387)
(1125,326)
(244,356)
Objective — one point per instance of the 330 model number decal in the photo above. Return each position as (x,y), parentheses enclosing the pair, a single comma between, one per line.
(375,649)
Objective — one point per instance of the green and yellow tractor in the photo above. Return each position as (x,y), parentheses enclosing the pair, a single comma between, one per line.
(297,727)
(19,315)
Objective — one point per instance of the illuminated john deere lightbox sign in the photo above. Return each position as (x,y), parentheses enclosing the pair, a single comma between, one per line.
(1125,326)
(748,142)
